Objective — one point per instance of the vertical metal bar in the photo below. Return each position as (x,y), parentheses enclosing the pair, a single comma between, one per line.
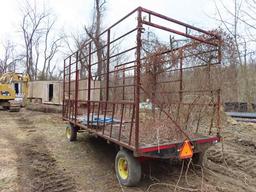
(98,114)
(63,87)
(117,108)
(108,60)
(134,83)
(73,109)
(137,98)
(121,121)
(209,76)
(89,87)
(212,117)
(93,105)
(123,83)
(181,85)
(106,107)
(130,109)
(107,80)
(69,88)
(181,75)
(219,91)
(218,111)
(132,122)
(76,87)
(219,50)
(113,113)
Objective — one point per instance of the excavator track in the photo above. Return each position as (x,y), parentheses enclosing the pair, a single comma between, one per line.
(14,109)
(14,106)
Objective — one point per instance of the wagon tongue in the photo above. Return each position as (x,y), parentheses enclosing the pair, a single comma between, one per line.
(186,151)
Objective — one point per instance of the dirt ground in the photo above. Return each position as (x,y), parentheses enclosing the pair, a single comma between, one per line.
(35,156)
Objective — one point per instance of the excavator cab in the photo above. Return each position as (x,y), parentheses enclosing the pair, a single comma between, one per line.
(13,90)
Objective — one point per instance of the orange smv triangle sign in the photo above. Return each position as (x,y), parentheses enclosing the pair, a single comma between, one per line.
(186,150)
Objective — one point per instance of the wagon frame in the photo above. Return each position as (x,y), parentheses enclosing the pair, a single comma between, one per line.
(99,116)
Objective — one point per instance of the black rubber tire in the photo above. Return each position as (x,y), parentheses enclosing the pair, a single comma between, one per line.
(72,136)
(134,169)
(198,158)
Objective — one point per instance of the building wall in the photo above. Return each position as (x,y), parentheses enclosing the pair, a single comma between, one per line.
(40,89)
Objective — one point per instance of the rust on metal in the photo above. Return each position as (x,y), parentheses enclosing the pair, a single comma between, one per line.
(153,86)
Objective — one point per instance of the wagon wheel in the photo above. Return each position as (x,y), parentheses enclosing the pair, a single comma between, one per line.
(128,168)
(198,158)
(71,132)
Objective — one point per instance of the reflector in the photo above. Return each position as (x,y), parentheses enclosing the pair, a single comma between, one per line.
(186,150)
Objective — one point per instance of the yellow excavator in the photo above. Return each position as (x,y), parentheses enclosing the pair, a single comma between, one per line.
(13,90)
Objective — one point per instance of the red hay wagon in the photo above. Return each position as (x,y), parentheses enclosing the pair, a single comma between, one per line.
(147,85)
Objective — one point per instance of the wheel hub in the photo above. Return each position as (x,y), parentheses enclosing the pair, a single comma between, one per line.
(68,132)
(123,168)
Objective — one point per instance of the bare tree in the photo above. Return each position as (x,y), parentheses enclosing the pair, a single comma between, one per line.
(9,59)
(40,44)
(233,26)
(94,32)
(32,29)
(51,47)
(241,29)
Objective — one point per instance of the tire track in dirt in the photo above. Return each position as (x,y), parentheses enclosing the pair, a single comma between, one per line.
(37,169)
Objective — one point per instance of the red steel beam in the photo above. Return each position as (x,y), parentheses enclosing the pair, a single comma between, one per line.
(178,33)
(178,22)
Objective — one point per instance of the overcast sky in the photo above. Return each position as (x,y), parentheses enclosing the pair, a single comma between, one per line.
(72,15)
